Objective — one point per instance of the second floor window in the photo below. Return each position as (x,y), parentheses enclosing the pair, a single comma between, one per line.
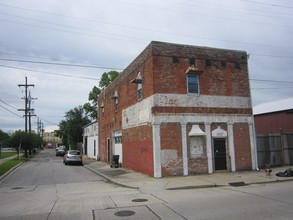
(116,104)
(139,91)
(192,83)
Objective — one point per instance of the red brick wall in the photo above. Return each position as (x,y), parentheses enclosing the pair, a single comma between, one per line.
(138,149)
(242,146)
(111,120)
(226,74)
(171,140)
(198,165)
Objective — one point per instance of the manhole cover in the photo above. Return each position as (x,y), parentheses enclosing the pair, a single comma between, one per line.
(139,200)
(124,213)
(18,187)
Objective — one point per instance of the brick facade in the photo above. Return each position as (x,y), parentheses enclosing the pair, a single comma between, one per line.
(156,126)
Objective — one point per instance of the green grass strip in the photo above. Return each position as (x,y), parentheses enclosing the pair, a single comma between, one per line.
(4,167)
(7,154)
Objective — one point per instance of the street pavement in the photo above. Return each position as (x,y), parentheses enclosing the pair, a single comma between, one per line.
(145,183)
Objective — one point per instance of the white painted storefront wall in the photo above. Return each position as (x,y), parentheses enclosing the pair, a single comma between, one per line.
(140,114)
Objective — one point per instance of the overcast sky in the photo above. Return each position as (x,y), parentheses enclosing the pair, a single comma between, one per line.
(90,37)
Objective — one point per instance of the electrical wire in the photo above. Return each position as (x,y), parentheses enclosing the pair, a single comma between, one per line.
(50,73)
(10,111)
(137,40)
(8,104)
(61,64)
(268,4)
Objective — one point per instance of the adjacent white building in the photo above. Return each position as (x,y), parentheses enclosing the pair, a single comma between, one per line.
(90,140)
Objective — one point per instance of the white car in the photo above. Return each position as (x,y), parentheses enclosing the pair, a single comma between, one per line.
(72,157)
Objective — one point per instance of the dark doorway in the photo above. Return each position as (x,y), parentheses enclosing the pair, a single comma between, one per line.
(220,154)
(85,146)
(109,151)
(94,147)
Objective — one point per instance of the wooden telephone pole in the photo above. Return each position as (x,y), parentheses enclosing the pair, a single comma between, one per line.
(27,110)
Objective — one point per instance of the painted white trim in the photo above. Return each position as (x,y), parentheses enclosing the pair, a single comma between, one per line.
(231,147)
(141,113)
(198,118)
(157,151)
(196,100)
(209,147)
(253,150)
(184,149)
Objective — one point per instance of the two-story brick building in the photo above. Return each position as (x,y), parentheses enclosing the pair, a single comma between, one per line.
(179,110)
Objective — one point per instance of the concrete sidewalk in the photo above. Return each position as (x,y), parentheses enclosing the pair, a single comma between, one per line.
(2,160)
(144,183)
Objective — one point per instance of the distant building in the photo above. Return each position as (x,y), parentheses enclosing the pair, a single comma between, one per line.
(51,139)
(274,130)
(90,140)
(179,110)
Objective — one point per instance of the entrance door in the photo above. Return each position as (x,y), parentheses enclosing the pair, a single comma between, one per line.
(108,148)
(220,154)
(85,146)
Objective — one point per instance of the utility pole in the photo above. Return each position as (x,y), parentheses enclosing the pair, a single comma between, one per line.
(30,113)
(26,108)
(40,127)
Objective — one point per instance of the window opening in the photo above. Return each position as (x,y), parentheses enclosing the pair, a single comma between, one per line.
(175,59)
(191,61)
(139,91)
(192,83)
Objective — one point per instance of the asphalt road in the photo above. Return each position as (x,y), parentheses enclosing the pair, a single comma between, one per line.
(45,189)
(47,169)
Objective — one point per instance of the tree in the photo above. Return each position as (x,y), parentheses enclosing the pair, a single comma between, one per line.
(91,106)
(4,138)
(107,78)
(70,129)
(28,141)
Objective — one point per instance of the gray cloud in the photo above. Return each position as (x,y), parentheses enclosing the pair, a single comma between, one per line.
(113,33)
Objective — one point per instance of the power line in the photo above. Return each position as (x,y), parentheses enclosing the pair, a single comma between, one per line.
(89,78)
(11,111)
(49,73)
(60,64)
(199,14)
(133,27)
(271,81)
(268,55)
(53,123)
(272,88)
(268,4)
(8,104)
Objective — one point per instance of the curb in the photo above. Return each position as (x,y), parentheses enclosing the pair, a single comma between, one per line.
(9,172)
(109,179)
(273,181)
(194,187)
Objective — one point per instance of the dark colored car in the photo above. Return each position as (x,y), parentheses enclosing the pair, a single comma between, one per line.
(73,157)
(61,151)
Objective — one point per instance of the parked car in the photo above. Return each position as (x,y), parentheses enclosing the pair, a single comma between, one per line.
(59,147)
(61,151)
(73,157)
